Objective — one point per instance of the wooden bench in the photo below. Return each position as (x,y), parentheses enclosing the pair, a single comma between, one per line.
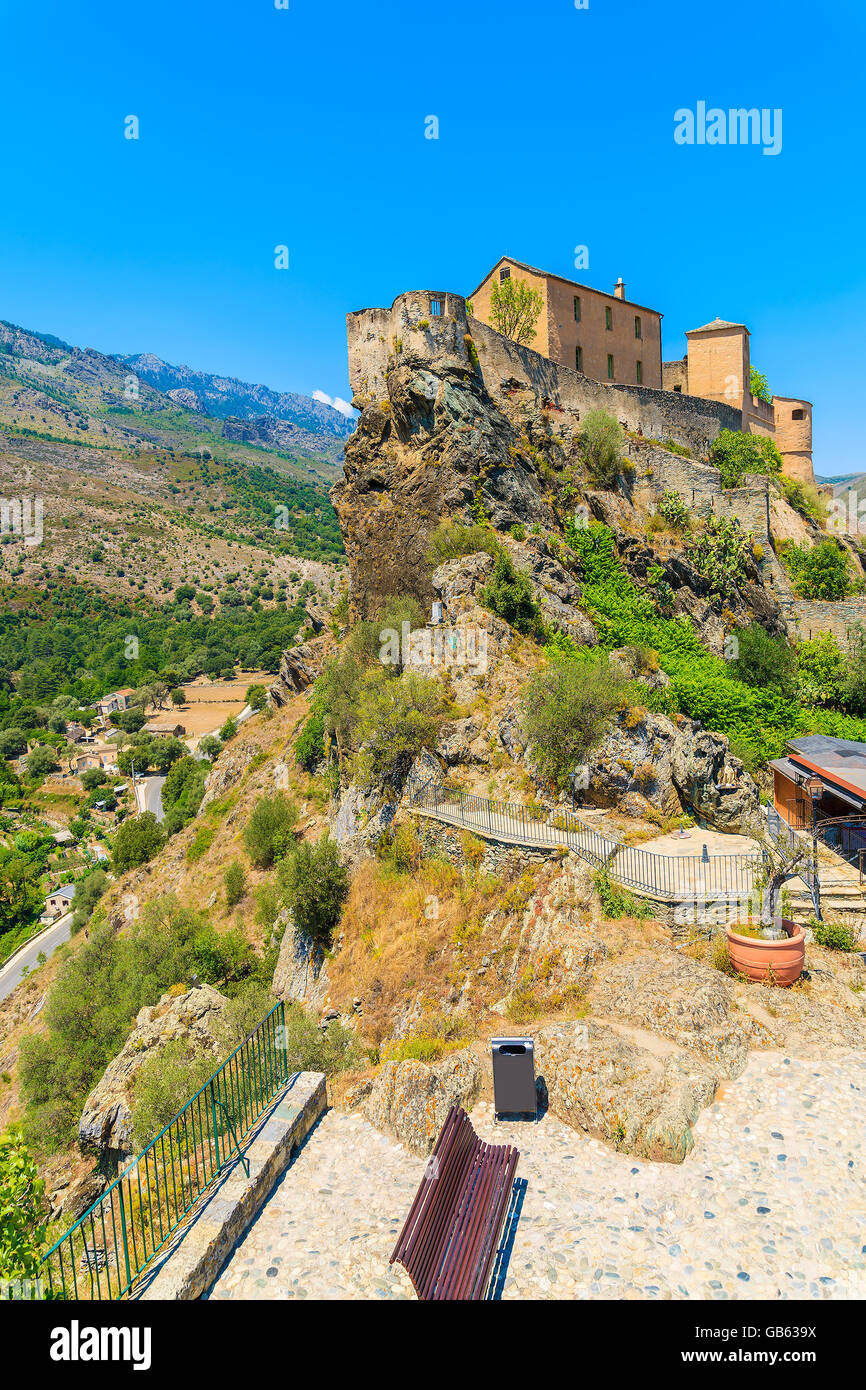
(449,1241)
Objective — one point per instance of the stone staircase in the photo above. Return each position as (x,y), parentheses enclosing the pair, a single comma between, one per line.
(842,897)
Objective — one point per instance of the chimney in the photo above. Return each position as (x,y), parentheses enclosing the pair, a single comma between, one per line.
(619,289)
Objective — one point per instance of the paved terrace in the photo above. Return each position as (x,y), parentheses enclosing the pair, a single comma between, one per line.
(771,1203)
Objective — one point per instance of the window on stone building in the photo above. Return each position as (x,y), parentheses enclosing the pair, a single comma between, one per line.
(637,327)
(610,366)
(504,274)
(436,308)
(798,414)
(639,373)
(578,358)
(608,316)
(678,388)
(577,308)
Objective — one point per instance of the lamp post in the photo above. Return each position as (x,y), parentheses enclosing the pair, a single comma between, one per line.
(815,788)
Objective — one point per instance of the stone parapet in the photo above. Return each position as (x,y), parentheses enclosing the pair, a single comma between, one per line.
(201,1247)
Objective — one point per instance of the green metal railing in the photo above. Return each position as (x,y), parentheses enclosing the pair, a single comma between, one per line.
(102,1255)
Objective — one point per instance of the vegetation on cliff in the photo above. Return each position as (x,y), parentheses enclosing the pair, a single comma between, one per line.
(759,719)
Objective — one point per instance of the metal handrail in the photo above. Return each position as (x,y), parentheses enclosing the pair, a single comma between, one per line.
(112,1243)
(674,877)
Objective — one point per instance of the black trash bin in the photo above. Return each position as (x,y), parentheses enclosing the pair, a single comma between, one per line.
(514,1090)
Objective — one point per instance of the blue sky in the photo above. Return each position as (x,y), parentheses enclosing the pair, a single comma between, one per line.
(305,127)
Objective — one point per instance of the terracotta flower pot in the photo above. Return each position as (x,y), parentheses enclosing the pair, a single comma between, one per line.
(755,958)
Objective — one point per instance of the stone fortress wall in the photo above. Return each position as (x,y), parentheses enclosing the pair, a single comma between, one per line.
(411,331)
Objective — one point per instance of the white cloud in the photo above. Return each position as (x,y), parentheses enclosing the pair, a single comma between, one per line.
(336,401)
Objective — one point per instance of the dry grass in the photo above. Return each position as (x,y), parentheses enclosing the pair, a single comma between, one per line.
(403,937)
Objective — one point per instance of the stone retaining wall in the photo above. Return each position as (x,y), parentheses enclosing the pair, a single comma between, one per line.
(499,856)
(809,618)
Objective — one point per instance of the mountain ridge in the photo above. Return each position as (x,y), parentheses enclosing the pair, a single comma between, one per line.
(228,396)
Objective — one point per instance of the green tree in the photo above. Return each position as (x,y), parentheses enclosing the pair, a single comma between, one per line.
(100,988)
(567,709)
(88,891)
(210,746)
(178,697)
(137,841)
(764,662)
(735,454)
(314,884)
(164,1084)
(396,719)
(182,792)
(21,897)
(130,720)
(509,594)
(229,729)
(269,830)
(759,387)
(23,1211)
(515,308)
(13,742)
(93,777)
(337,692)
(257,697)
(236,883)
(41,761)
(823,670)
(310,743)
(822,572)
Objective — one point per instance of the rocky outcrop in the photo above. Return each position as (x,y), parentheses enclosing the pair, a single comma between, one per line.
(458,582)
(557,592)
(747,601)
(437,448)
(193,1018)
(301,974)
(81,1196)
(679,999)
(182,396)
(673,765)
(228,770)
(411,1100)
(303,664)
(637,665)
(598,1081)
(362,818)
(460,741)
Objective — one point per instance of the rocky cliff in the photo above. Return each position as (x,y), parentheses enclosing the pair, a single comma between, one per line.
(458,423)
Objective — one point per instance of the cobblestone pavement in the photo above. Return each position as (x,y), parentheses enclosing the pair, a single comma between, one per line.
(771,1203)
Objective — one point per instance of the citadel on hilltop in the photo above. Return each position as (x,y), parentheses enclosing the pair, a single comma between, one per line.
(613,339)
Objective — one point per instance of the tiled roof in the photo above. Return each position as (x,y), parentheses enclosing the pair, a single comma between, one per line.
(716,323)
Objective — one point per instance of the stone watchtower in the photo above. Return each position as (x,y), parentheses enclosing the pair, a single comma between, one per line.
(793,419)
(717,367)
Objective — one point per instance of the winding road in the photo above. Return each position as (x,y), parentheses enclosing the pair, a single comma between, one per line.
(12,973)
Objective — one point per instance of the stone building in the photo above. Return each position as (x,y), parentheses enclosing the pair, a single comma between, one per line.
(613,339)
(717,367)
(604,336)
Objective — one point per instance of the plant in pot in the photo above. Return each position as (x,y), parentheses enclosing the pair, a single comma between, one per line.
(776,951)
